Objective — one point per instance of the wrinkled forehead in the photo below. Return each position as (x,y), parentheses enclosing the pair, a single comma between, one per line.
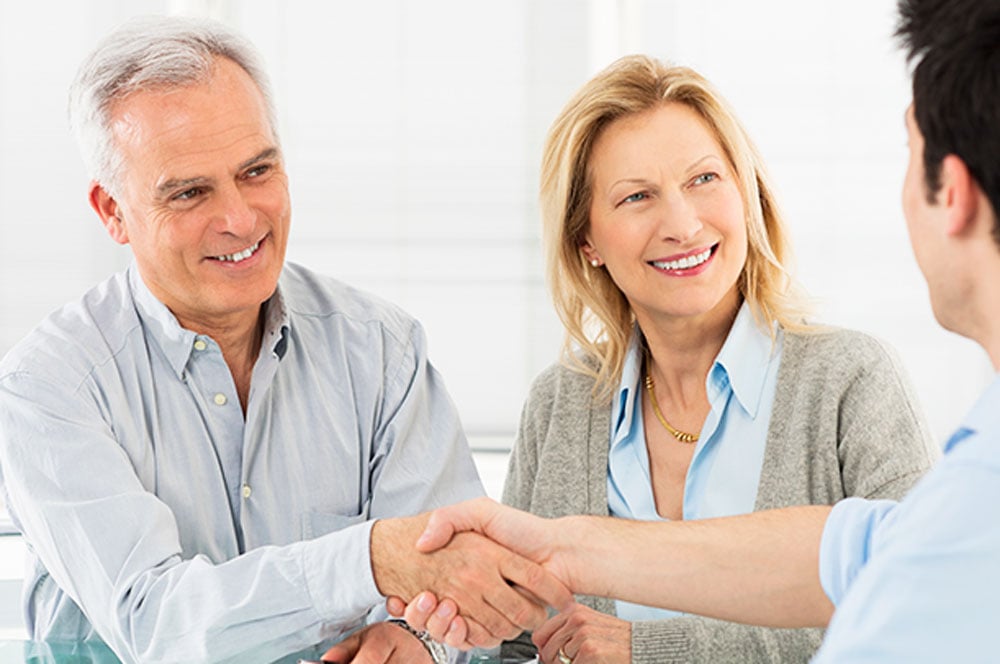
(222,87)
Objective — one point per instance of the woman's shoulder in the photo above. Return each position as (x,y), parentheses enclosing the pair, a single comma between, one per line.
(567,376)
(843,346)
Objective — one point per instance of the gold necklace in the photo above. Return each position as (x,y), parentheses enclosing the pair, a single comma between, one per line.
(682,436)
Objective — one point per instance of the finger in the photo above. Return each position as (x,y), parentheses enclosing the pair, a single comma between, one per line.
(457,635)
(446,521)
(420,609)
(541,636)
(343,652)
(498,605)
(537,581)
(439,622)
(573,642)
(479,636)
(559,639)
(512,612)
(374,652)
(395,606)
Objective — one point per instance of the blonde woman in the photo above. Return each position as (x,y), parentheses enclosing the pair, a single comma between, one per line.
(691,385)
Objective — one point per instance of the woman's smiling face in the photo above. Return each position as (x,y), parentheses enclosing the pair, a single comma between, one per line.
(666,215)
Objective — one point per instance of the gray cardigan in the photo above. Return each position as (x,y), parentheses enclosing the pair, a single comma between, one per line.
(845,422)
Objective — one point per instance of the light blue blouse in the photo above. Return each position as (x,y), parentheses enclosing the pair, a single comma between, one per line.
(725,469)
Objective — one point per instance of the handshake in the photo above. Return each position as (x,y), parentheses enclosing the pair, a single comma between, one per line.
(470,575)
(477,573)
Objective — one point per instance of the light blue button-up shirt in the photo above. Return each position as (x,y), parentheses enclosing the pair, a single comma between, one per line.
(186,531)
(919,580)
(725,469)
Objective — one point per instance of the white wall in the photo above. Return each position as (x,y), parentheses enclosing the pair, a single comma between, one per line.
(413,132)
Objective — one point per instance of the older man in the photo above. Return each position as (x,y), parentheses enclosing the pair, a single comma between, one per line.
(196,449)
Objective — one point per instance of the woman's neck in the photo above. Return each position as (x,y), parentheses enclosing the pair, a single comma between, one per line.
(681,350)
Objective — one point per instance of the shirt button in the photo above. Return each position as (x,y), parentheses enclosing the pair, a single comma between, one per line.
(247,490)
(220,399)
(200,345)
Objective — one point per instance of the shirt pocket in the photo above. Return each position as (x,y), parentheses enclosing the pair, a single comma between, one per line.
(317,524)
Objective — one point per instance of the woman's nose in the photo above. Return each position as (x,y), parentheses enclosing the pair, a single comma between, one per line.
(677,219)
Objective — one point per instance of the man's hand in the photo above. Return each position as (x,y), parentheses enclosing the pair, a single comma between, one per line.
(478,575)
(586,636)
(582,634)
(440,620)
(381,643)
(531,536)
(758,568)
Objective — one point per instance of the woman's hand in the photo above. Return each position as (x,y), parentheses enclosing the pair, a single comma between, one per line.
(584,636)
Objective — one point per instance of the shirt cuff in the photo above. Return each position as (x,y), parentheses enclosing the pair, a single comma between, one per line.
(847,541)
(338,573)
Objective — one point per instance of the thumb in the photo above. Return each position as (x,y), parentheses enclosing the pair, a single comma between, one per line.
(395,606)
(343,652)
(437,533)
(446,521)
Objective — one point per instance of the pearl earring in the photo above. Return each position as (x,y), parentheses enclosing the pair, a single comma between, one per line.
(595,262)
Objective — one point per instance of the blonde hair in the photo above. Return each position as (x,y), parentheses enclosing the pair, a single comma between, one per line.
(595,313)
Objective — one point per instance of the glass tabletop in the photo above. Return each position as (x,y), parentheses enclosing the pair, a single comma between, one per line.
(35,652)
(46,652)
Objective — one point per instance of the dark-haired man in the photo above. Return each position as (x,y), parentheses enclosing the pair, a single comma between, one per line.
(916,580)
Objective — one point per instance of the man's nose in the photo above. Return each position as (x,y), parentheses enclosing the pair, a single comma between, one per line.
(235,215)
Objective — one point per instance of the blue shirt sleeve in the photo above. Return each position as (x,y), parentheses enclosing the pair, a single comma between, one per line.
(847,542)
(927,591)
(170,524)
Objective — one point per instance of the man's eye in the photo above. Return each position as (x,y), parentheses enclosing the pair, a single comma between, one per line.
(257,171)
(705,177)
(188,194)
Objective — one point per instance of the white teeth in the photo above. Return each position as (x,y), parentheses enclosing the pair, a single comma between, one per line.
(684,263)
(239,255)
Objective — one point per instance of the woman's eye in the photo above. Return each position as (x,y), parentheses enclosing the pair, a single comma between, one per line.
(636,197)
(704,178)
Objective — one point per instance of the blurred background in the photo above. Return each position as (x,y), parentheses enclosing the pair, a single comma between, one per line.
(413,130)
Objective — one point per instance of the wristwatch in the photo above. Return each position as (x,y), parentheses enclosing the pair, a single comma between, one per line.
(437,651)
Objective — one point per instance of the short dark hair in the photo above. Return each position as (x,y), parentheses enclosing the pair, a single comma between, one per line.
(955,47)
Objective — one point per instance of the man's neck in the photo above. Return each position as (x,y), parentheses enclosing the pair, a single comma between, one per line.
(239,338)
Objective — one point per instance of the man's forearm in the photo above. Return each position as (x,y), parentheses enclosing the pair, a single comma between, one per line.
(760,568)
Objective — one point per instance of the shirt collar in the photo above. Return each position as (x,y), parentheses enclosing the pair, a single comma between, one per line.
(627,386)
(177,343)
(984,416)
(744,359)
(742,364)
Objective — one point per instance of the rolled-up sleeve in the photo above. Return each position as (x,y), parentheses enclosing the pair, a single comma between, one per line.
(847,542)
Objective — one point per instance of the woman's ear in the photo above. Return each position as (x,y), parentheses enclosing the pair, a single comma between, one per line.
(109,211)
(590,254)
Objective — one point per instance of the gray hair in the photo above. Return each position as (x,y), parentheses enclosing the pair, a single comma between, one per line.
(149,53)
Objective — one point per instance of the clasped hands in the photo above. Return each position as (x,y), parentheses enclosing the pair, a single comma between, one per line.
(496,591)
(532,548)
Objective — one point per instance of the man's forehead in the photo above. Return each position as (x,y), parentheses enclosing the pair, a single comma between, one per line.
(224,107)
